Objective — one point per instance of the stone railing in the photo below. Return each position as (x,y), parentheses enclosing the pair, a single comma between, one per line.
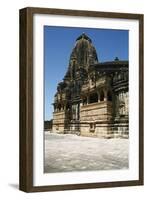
(101,81)
(85,87)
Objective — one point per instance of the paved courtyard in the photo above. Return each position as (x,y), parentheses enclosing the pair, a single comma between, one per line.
(64,153)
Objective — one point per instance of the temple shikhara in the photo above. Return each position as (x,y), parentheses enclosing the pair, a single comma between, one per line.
(93,98)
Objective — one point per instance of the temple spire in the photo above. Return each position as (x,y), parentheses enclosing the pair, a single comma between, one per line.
(84,36)
(84,53)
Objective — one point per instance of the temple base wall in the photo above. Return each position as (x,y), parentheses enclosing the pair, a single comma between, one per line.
(96,120)
(106,131)
(58,122)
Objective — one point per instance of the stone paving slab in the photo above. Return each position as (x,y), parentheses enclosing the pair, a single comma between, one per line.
(67,152)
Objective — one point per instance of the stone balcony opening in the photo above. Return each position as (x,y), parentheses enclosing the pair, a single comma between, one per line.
(93,98)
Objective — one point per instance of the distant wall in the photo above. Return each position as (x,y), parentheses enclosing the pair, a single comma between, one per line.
(48,125)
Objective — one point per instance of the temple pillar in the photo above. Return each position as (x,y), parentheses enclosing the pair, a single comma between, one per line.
(87,99)
(98,97)
(105,95)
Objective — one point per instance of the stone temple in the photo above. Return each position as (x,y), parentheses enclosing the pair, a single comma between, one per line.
(93,98)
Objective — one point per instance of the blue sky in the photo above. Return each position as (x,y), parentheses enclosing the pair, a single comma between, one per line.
(58,44)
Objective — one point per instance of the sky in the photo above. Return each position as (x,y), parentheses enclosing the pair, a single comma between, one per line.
(58,45)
